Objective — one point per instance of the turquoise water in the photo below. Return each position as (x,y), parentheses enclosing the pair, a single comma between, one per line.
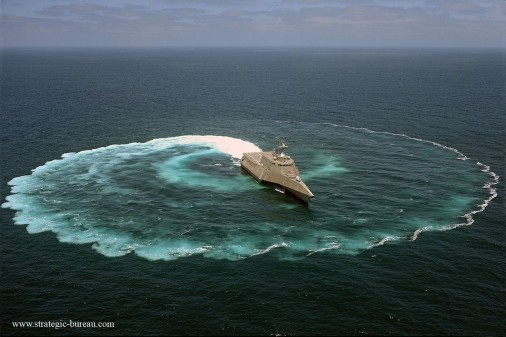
(180,196)
(123,199)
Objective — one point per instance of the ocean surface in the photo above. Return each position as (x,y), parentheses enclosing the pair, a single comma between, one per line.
(123,199)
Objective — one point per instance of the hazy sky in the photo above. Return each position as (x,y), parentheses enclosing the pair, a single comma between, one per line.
(453,23)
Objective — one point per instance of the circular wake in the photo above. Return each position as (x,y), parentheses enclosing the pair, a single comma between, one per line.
(181,196)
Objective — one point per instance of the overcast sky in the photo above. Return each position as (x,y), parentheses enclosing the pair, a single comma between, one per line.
(333,23)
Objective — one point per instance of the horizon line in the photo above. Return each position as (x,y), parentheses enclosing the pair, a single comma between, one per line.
(5,47)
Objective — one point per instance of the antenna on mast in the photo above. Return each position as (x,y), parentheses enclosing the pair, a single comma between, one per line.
(281,148)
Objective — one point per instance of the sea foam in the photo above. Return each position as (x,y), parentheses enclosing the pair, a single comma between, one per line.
(489,185)
(177,197)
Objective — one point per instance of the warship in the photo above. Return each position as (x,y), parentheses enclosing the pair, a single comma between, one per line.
(277,168)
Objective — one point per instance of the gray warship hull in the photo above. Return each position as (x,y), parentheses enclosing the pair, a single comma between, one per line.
(278,169)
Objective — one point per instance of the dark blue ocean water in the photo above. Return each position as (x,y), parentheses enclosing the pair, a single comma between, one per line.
(163,234)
